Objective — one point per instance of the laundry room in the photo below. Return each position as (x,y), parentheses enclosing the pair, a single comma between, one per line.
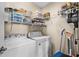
(39,29)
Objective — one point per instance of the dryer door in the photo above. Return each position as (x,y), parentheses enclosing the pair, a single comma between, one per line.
(42,48)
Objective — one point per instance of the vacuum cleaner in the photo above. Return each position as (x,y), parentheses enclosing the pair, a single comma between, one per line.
(59,53)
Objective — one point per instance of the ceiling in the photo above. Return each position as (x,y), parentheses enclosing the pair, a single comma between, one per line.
(41,4)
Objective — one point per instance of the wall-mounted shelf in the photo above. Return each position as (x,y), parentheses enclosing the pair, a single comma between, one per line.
(30,24)
(16,22)
(39,18)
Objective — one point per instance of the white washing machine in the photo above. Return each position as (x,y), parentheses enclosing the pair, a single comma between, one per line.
(42,43)
(19,47)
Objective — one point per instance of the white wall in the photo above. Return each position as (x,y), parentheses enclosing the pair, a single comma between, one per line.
(1,24)
(56,23)
(25,5)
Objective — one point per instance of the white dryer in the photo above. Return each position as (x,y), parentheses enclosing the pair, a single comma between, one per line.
(42,43)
